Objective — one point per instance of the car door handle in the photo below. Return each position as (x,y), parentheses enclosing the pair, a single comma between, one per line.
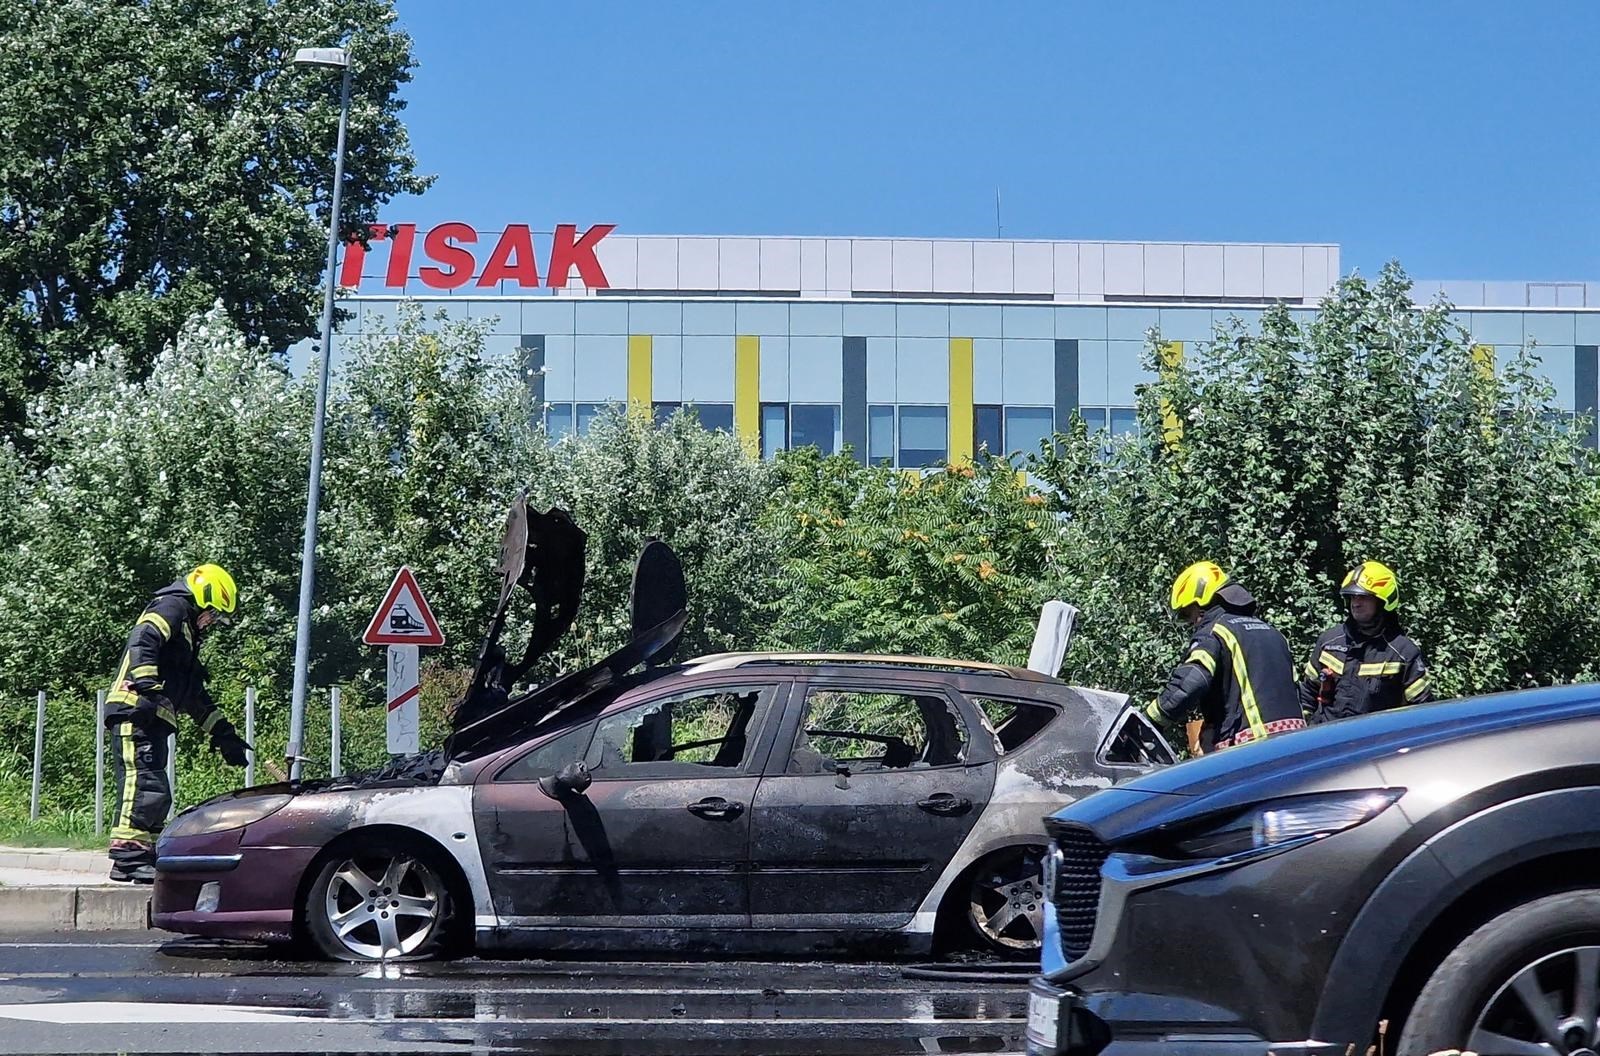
(945,803)
(717,808)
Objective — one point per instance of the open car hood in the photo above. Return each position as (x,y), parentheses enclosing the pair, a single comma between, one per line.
(543,553)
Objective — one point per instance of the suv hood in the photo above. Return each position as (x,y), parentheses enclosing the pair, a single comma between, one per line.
(1367,739)
(543,554)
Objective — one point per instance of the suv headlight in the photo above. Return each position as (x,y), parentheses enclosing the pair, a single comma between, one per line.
(228,814)
(1279,821)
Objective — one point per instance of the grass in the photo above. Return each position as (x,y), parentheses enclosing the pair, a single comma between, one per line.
(49,832)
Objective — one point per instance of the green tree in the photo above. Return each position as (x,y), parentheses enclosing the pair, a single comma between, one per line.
(1376,431)
(955,563)
(165,154)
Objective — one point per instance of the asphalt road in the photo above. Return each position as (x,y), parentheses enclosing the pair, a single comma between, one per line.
(134,992)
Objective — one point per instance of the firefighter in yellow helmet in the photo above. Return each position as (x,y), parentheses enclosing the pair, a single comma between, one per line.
(1237,671)
(159,677)
(1365,663)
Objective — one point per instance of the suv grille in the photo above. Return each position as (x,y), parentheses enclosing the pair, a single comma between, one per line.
(1080,854)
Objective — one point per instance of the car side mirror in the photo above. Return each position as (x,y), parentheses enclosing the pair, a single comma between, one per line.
(571,780)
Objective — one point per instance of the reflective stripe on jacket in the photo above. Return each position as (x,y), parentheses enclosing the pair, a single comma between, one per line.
(160,673)
(1238,674)
(1350,673)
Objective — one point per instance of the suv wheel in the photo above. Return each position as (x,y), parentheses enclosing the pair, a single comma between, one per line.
(1526,982)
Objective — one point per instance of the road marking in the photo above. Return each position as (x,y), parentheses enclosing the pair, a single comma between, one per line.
(80,946)
(71,1012)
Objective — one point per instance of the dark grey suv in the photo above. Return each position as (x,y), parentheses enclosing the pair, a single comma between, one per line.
(1421,880)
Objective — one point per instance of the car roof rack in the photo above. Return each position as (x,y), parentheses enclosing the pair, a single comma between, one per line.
(731,661)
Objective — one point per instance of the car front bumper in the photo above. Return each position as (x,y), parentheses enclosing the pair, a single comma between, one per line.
(212,886)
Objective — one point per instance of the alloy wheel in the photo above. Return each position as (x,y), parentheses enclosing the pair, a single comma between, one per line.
(1548,1007)
(1007,899)
(383,906)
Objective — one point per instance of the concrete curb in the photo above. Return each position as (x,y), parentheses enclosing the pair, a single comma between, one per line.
(36,909)
(53,859)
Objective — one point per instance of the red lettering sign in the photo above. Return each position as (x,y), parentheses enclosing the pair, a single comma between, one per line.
(437,245)
(568,251)
(451,264)
(516,239)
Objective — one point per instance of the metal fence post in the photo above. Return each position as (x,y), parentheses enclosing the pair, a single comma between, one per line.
(334,736)
(250,735)
(38,758)
(172,772)
(99,762)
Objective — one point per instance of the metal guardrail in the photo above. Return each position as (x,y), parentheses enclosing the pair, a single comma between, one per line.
(335,733)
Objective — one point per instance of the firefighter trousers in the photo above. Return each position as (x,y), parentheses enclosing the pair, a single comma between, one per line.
(143,796)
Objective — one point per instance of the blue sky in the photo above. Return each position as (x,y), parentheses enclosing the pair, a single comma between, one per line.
(1461,138)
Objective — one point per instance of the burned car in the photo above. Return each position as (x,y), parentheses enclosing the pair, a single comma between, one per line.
(738,802)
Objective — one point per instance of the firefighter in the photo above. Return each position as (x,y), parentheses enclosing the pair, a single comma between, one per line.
(1365,663)
(161,676)
(1237,673)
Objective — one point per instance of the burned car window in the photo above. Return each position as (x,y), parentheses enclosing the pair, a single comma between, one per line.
(1014,722)
(691,733)
(1134,742)
(868,731)
(549,757)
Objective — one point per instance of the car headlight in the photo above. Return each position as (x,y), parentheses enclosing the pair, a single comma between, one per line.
(228,814)
(1280,821)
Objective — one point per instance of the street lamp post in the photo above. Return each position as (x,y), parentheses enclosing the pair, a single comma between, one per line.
(327,58)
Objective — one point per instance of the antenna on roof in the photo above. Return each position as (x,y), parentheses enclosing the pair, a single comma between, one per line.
(997,212)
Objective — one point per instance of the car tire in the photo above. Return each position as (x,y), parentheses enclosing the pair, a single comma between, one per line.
(380,901)
(1544,953)
(1002,901)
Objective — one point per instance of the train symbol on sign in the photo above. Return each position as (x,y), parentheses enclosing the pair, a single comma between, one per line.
(401,620)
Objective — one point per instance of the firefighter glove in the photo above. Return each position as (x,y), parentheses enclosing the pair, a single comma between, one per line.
(230,745)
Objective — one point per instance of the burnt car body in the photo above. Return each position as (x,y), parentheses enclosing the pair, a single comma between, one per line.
(742,801)
(1418,880)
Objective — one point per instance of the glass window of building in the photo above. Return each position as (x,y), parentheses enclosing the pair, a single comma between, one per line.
(587,413)
(1094,418)
(815,425)
(661,410)
(1124,421)
(1027,428)
(880,434)
(986,433)
(558,420)
(924,436)
(774,428)
(715,416)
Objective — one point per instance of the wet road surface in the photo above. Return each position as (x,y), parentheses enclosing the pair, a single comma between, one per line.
(134,992)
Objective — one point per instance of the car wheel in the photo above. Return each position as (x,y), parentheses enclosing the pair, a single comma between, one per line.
(378,902)
(1005,901)
(1527,982)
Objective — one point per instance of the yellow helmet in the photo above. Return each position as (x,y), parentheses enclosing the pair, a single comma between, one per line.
(1197,584)
(212,588)
(1373,580)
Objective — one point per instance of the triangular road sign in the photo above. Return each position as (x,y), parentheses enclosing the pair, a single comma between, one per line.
(404,617)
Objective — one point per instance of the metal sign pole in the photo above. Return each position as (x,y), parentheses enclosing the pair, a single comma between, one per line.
(250,736)
(335,738)
(99,762)
(172,772)
(38,758)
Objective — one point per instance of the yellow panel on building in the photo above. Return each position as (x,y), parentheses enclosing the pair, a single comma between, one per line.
(961,401)
(641,375)
(747,393)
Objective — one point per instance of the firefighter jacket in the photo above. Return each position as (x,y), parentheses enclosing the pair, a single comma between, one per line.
(1238,675)
(160,674)
(1351,673)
